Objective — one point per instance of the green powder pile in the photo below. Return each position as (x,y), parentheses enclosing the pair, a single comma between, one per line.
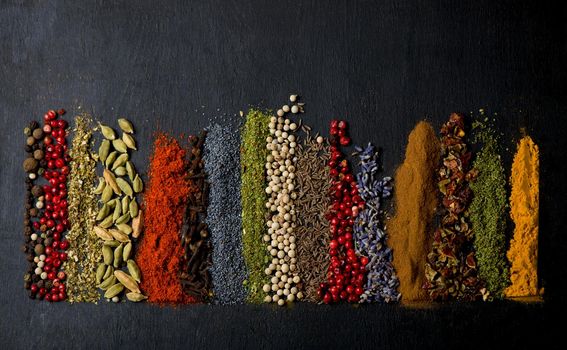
(488,209)
(252,161)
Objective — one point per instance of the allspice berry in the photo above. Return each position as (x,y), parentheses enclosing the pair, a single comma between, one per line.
(37,134)
(37,191)
(30,141)
(38,154)
(48,241)
(39,249)
(30,165)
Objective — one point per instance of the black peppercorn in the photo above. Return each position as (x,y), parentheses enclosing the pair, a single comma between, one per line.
(28,149)
(32,295)
(40,282)
(49,284)
(34,125)
(29,258)
(37,191)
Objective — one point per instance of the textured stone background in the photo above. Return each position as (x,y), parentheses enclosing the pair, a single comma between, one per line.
(382,65)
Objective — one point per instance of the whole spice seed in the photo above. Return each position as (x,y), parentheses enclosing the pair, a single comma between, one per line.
(451,268)
(281,217)
(195,277)
(117,213)
(311,206)
(45,245)
(228,271)
(488,209)
(160,255)
(410,229)
(524,205)
(253,158)
(370,238)
(33,247)
(84,245)
(347,271)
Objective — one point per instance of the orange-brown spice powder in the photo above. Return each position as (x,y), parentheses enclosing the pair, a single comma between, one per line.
(160,253)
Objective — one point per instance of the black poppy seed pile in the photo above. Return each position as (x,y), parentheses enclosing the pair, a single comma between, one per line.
(228,271)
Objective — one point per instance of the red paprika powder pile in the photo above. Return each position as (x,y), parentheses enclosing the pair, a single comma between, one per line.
(160,252)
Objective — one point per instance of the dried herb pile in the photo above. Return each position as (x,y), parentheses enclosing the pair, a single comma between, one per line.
(252,161)
(119,217)
(222,164)
(488,209)
(195,276)
(524,210)
(451,268)
(369,236)
(411,228)
(84,245)
(311,206)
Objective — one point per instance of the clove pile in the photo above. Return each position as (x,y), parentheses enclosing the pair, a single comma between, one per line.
(195,277)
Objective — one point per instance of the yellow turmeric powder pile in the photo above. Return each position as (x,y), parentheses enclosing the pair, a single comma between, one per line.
(524,210)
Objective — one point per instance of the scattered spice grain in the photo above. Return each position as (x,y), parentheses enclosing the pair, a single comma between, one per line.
(524,204)
(488,209)
(253,157)
(410,229)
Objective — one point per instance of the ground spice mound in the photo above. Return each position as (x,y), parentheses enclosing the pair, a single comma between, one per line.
(524,210)
(160,252)
(410,229)
(253,158)
(488,210)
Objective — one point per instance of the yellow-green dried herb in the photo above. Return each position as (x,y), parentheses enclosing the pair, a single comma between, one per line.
(84,244)
(253,159)
(488,209)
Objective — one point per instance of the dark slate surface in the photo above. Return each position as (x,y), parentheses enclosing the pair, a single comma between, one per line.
(382,65)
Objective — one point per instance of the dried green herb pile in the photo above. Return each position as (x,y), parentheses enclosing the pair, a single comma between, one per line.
(451,269)
(252,161)
(84,245)
(488,209)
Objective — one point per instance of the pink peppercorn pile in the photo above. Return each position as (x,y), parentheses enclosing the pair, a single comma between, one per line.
(346,274)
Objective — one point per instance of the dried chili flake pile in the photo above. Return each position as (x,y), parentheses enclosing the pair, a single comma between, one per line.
(451,269)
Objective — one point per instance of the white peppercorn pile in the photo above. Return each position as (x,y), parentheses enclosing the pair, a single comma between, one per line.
(280,239)
(222,164)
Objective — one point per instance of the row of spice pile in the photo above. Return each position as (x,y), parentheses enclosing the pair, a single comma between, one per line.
(268,211)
